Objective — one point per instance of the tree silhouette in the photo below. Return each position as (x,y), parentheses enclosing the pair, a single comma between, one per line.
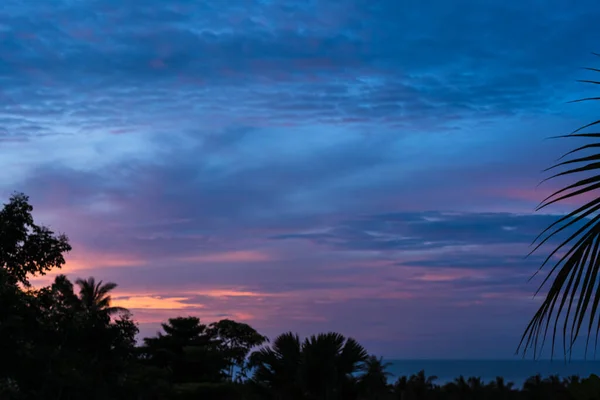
(188,350)
(320,367)
(27,248)
(500,384)
(329,361)
(235,339)
(277,368)
(95,296)
(373,382)
(55,344)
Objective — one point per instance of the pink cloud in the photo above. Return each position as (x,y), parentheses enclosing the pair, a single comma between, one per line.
(140,302)
(236,256)
(537,195)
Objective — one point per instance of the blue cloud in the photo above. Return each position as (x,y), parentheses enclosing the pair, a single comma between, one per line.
(429,230)
(365,131)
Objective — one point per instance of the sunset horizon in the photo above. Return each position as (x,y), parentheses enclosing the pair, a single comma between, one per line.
(306,166)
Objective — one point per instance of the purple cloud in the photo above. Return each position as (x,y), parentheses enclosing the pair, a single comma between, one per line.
(366,167)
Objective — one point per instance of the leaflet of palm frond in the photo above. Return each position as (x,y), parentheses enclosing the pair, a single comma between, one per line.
(588,285)
(595,204)
(588,125)
(567,271)
(529,331)
(584,147)
(547,259)
(588,167)
(592,317)
(579,268)
(575,134)
(583,190)
(575,160)
(563,244)
(579,259)
(571,263)
(572,269)
(596,340)
(588,81)
(536,321)
(585,99)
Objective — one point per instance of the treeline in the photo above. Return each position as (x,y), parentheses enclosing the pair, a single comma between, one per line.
(68,342)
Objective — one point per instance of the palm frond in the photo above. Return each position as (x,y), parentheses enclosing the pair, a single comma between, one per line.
(575,292)
(95,295)
(107,287)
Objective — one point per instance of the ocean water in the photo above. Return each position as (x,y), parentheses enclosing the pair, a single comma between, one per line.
(516,371)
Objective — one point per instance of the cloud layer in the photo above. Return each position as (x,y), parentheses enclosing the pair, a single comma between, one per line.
(365,167)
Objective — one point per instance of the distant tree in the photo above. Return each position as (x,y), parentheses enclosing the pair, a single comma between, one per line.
(373,382)
(321,367)
(277,368)
(476,386)
(235,339)
(400,388)
(555,387)
(534,387)
(419,385)
(459,388)
(330,360)
(500,384)
(571,380)
(500,389)
(95,296)
(188,350)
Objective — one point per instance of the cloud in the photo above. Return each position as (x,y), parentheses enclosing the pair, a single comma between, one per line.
(428,231)
(235,256)
(300,165)
(297,69)
(154,303)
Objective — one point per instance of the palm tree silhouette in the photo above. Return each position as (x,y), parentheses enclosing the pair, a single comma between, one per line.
(330,360)
(400,387)
(576,271)
(460,386)
(95,298)
(499,389)
(373,382)
(534,387)
(500,385)
(416,387)
(420,379)
(277,367)
(320,367)
(571,380)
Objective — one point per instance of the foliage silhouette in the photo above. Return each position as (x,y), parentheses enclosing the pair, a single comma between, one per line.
(236,339)
(373,382)
(27,248)
(61,345)
(95,297)
(576,271)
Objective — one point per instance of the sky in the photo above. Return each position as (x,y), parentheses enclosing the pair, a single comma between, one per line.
(365,167)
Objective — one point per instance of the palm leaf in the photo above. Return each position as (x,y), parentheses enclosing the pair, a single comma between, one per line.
(95,295)
(574,293)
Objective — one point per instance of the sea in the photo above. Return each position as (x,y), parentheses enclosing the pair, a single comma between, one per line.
(516,371)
